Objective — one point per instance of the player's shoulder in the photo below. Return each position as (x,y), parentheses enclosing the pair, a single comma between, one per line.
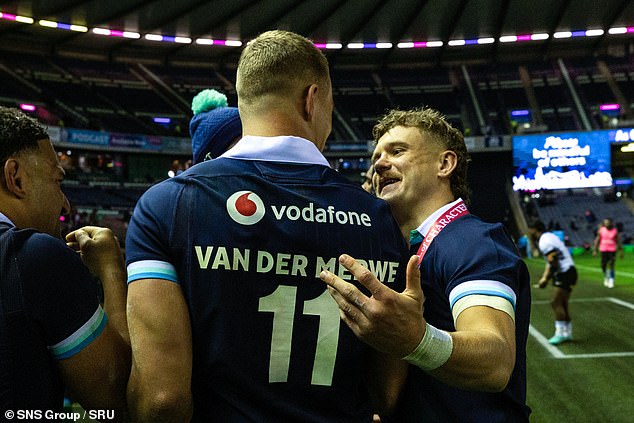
(471,226)
(548,240)
(40,242)
(159,196)
(40,249)
(469,234)
(548,237)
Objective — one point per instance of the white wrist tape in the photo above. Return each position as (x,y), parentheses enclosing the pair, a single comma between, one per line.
(433,350)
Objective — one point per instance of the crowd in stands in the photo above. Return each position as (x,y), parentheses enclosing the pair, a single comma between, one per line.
(121,97)
(579,213)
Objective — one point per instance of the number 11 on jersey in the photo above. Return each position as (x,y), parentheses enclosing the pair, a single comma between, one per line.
(282,303)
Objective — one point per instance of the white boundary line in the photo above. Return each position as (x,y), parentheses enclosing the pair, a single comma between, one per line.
(556,352)
(592,300)
(621,303)
(596,269)
(553,350)
(617,272)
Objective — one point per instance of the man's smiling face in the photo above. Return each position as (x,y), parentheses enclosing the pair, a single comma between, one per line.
(406,166)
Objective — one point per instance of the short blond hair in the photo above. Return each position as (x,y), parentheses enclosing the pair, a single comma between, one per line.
(432,122)
(279,63)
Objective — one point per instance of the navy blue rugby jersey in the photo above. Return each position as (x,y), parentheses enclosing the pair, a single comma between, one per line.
(51,312)
(470,257)
(246,240)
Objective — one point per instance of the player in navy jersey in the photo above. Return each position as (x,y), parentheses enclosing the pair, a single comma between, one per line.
(54,333)
(467,342)
(228,319)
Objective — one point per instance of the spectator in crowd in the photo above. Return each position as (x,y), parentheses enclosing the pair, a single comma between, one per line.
(524,246)
(591,218)
(607,242)
(560,268)
(467,344)
(54,333)
(215,127)
(227,320)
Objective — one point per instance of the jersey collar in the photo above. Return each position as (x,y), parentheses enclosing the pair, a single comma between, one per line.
(287,149)
(417,235)
(5,219)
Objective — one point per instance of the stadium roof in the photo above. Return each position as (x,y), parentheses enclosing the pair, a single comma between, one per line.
(358,33)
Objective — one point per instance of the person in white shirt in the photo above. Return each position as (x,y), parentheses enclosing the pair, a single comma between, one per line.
(560,268)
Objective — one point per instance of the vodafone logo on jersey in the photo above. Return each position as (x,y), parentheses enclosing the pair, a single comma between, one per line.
(245,207)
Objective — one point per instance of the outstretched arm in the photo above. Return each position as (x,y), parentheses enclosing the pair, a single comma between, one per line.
(482,351)
(552,264)
(390,322)
(484,348)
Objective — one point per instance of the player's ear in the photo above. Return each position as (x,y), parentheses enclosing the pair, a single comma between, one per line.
(447,162)
(310,101)
(14,177)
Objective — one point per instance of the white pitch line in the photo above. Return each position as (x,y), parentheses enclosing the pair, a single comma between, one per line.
(599,355)
(554,351)
(598,270)
(621,302)
(576,300)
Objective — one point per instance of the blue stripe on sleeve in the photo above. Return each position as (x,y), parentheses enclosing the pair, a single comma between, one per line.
(151,269)
(81,337)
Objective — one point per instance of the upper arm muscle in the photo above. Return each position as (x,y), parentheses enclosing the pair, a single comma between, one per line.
(97,374)
(160,334)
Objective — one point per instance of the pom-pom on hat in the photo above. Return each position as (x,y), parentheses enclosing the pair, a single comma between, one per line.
(214,125)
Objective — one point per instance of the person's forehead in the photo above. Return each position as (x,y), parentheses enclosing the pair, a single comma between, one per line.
(399,135)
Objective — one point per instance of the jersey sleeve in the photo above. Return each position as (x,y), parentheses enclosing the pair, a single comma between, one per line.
(60,295)
(482,263)
(148,235)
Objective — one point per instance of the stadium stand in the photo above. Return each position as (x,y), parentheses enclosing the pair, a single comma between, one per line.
(476,98)
(579,212)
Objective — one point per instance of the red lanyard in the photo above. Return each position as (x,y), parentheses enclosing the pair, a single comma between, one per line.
(458,210)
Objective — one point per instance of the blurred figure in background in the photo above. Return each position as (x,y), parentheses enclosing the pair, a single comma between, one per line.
(560,268)
(367,180)
(608,243)
(215,127)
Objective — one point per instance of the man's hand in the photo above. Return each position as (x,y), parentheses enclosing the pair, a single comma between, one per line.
(541,284)
(389,321)
(98,247)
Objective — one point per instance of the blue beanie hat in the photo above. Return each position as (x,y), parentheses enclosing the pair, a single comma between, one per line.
(214,125)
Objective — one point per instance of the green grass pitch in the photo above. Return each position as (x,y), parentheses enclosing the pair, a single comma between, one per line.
(592,378)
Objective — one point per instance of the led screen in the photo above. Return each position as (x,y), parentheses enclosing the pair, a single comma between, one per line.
(563,160)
